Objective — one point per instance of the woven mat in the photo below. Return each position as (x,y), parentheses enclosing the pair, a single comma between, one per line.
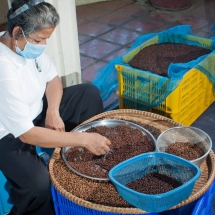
(160,122)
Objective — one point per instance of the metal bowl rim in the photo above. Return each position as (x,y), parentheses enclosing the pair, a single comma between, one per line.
(114,120)
(178,127)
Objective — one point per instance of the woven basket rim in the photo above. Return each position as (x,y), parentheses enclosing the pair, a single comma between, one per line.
(104,208)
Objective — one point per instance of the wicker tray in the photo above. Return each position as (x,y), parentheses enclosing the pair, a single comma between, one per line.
(160,122)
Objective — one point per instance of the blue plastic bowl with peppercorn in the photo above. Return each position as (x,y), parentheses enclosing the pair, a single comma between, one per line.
(164,164)
(187,142)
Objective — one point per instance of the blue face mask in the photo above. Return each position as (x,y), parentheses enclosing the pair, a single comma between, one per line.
(31,51)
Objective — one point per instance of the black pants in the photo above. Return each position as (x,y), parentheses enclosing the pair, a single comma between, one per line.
(28,177)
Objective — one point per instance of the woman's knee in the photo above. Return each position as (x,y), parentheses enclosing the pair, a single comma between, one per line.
(84,89)
(40,185)
(91,89)
(93,94)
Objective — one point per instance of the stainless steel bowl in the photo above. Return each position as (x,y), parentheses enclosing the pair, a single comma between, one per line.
(108,123)
(185,134)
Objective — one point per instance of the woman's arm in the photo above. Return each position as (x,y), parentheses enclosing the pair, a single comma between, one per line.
(53,136)
(48,138)
(54,92)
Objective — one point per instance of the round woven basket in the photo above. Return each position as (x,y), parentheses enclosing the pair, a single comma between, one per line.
(160,122)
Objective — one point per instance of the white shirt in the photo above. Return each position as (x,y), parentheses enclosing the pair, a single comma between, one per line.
(22,87)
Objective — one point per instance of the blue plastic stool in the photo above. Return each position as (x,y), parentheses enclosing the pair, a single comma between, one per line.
(44,150)
(201,206)
(5,203)
(64,206)
(204,203)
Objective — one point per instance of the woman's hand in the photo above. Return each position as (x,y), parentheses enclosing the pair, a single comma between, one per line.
(96,143)
(54,121)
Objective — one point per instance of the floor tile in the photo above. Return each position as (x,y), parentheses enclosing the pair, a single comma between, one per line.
(129,45)
(85,81)
(133,10)
(203,34)
(189,10)
(116,54)
(112,98)
(166,26)
(210,28)
(89,13)
(83,39)
(111,6)
(162,16)
(128,1)
(199,12)
(114,18)
(210,4)
(88,74)
(94,28)
(142,25)
(193,21)
(209,15)
(120,36)
(97,48)
(206,122)
(86,61)
(81,21)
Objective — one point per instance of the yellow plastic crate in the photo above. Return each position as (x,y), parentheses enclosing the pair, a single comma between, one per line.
(185,104)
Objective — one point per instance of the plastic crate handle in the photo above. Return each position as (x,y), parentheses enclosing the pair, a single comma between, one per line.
(139,78)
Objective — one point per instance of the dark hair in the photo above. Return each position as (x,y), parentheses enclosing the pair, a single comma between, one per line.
(36,18)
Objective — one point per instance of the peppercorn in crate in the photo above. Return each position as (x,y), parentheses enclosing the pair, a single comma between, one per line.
(182,96)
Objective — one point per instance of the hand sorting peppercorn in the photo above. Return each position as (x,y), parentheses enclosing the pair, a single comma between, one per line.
(126,143)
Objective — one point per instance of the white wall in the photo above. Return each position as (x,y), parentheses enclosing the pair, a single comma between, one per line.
(63,46)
